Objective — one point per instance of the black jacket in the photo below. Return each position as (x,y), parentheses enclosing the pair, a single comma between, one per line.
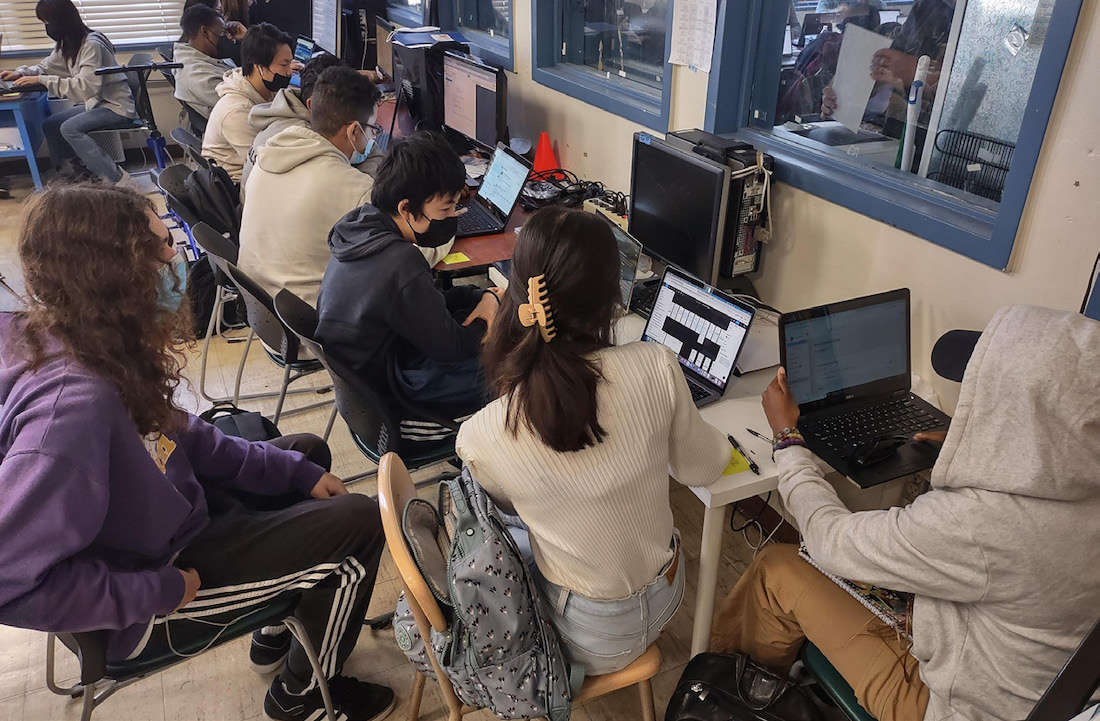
(378,303)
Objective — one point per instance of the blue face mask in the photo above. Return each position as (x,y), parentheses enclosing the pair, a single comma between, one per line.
(357,157)
(168,296)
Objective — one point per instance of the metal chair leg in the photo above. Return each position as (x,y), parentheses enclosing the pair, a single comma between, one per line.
(331,421)
(89,703)
(299,632)
(282,393)
(51,677)
(218,300)
(240,368)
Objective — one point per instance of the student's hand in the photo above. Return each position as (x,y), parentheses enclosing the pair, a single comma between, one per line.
(191,585)
(328,486)
(10,75)
(779,405)
(235,30)
(374,76)
(486,310)
(828,102)
(498,292)
(893,66)
(25,80)
(931,436)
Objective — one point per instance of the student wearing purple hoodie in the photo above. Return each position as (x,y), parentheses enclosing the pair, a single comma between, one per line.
(120,511)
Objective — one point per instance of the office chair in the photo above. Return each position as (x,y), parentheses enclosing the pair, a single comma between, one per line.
(137,72)
(395,490)
(100,678)
(191,145)
(373,418)
(1067,695)
(166,52)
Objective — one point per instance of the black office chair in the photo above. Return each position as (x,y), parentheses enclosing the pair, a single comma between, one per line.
(374,418)
(90,648)
(191,145)
(137,72)
(166,52)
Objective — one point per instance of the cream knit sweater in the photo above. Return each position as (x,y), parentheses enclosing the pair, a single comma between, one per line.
(600,518)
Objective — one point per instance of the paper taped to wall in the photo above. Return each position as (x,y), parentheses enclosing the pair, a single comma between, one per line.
(853,82)
(693,24)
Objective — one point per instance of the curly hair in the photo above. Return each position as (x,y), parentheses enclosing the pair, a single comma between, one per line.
(92,265)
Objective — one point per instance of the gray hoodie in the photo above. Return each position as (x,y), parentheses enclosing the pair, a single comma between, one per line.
(78,81)
(1002,554)
(286,110)
(197,81)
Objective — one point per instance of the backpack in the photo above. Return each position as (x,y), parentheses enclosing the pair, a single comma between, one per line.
(500,651)
(216,200)
(232,421)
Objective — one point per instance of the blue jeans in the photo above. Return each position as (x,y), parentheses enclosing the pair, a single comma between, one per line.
(461,383)
(67,135)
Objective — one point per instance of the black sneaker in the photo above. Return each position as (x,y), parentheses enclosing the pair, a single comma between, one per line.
(268,652)
(352,700)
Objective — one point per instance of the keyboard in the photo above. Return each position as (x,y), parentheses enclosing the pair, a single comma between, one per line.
(846,432)
(698,392)
(643,298)
(476,220)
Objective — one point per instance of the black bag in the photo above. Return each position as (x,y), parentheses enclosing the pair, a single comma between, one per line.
(731,687)
(216,200)
(232,421)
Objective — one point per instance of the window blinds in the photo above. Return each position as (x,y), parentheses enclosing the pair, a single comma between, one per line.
(124,22)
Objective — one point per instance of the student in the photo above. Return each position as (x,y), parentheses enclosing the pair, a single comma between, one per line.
(266,68)
(120,511)
(239,11)
(202,72)
(289,108)
(102,101)
(1000,554)
(304,182)
(581,440)
(229,45)
(379,308)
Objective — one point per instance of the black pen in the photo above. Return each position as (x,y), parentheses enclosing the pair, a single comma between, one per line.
(737,446)
(759,435)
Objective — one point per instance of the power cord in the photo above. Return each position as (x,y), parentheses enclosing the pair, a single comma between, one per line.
(754,519)
(563,187)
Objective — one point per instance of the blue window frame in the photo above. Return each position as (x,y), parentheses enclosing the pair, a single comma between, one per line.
(744,80)
(407,13)
(562,60)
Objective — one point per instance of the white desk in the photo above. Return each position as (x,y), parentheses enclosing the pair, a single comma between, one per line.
(738,410)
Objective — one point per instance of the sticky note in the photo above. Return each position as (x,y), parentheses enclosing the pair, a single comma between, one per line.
(455,258)
(737,463)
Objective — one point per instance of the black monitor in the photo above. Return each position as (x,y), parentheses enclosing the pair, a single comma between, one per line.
(678,206)
(475,99)
(383,29)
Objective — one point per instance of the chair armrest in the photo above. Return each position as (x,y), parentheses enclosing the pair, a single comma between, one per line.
(149,67)
(90,648)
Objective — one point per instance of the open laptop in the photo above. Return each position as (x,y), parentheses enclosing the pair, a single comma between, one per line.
(489,210)
(849,369)
(704,327)
(630,252)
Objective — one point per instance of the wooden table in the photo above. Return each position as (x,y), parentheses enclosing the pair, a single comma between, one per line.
(484,250)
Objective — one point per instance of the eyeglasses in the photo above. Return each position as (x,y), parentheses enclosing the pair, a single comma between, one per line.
(375,129)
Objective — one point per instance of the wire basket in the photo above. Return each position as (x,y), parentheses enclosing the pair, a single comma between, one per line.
(973,162)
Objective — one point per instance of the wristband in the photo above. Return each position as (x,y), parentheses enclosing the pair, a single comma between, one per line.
(786,438)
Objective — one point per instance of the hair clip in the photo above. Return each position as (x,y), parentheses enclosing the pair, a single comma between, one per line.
(537,308)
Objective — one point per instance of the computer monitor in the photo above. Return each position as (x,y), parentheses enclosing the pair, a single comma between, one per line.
(889,16)
(474,99)
(382,30)
(678,205)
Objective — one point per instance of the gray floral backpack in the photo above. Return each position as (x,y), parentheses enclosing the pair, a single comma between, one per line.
(500,651)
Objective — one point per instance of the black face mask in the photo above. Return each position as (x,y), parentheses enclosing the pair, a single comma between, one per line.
(278,82)
(438,232)
(54,32)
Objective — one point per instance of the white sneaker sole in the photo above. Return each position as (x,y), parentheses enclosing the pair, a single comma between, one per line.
(269,668)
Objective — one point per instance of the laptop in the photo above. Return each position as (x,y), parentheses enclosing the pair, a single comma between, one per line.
(704,327)
(489,210)
(9,88)
(630,252)
(849,369)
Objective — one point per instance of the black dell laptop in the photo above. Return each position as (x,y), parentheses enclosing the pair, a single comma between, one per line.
(489,210)
(848,368)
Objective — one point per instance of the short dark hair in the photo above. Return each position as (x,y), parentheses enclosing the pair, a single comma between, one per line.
(417,168)
(312,71)
(342,96)
(260,46)
(195,18)
(576,253)
(192,3)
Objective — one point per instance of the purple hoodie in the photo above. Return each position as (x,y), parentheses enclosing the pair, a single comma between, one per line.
(89,522)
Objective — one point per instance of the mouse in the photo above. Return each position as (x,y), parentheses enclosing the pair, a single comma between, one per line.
(878,450)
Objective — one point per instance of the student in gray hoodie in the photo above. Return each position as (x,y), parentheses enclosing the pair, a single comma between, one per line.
(1000,554)
(197,81)
(101,101)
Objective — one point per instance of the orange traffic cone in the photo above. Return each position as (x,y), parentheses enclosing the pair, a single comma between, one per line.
(545,160)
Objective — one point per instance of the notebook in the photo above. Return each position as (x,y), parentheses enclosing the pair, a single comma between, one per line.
(894,608)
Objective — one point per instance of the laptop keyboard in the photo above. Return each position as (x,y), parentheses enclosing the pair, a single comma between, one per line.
(698,392)
(476,219)
(846,432)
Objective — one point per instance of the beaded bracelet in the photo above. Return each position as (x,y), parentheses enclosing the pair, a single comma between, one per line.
(786,438)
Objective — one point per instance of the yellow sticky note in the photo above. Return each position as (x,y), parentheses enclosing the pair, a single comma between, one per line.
(455,258)
(737,463)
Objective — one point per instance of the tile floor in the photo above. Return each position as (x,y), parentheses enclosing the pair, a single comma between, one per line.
(219,686)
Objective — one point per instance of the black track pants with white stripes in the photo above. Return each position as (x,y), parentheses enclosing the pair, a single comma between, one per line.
(325,551)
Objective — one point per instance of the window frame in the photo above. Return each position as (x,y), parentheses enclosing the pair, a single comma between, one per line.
(492,49)
(745,74)
(649,108)
(404,16)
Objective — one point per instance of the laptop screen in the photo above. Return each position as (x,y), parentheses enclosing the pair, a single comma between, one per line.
(503,181)
(840,349)
(703,326)
(630,250)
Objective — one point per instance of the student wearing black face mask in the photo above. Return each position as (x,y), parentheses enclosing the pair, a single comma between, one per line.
(197,81)
(100,101)
(266,60)
(379,309)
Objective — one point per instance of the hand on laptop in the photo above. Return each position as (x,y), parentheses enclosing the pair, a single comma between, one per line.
(931,436)
(779,405)
(10,75)
(26,80)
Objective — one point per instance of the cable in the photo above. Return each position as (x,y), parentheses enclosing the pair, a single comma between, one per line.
(754,519)
(562,187)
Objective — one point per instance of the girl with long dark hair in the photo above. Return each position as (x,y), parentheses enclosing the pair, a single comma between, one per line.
(100,101)
(581,440)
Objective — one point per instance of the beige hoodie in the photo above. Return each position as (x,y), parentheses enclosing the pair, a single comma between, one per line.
(229,135)
(1003,554)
